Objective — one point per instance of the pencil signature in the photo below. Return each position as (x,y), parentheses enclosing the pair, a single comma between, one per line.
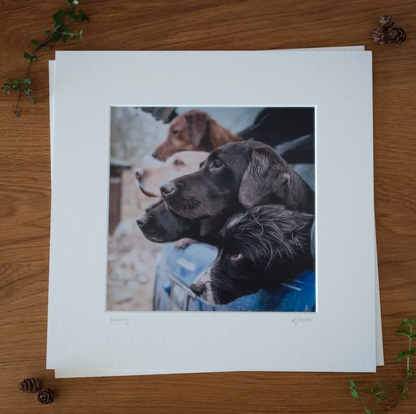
(299,319)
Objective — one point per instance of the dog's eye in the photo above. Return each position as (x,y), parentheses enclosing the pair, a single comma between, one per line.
(216,164)
(178,162)
(236,256)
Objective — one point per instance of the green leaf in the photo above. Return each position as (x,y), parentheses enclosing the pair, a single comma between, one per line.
(27,56)
(405,322)
(410,373)
(56,18)
(379,386)
(48,32)
(55,36)
(352,383)
(35,42)
(82,16)
(75,2)
(411,351)
(15,80)
(76,39)
(66,29)
(401,355)
(16,87)
(34,58)
(368,411)
(4,89)
(7,84)
(413,335)
(72,15)
(27,81)
(16,114)
(64,38)
(403,332)
(354,394)
(45,47)
(32,100)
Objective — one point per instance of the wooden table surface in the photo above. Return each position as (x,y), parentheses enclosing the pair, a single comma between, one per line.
(199,25)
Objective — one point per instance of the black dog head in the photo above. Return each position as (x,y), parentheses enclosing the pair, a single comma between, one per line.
(159,226)
(261,248)
(237,176)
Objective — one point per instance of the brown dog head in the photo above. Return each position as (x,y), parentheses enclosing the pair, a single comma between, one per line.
(193,131)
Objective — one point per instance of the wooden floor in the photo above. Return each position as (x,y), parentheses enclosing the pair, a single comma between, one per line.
(199,25)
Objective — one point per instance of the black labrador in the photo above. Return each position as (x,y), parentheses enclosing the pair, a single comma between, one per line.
(159,226)
(235,177)
(261,248)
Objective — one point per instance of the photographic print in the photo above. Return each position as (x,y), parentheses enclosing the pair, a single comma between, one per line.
(212,209)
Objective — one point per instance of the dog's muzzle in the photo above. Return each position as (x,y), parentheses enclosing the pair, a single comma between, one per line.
(197,289)
(141,221)
(167,189)
(202,287)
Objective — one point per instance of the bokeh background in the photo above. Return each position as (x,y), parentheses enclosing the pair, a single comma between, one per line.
(131,257)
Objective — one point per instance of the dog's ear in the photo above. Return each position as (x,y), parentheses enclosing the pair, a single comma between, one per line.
(266,179)
(199,126)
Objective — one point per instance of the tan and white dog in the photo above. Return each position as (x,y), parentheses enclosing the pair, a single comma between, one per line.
(150,179)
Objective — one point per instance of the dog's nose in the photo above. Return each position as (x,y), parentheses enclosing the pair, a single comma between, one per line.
(155,154)
(139,173)
(141,220)
(197,289)
(167,188)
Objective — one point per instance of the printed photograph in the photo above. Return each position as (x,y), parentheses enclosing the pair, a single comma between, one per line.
(212,209)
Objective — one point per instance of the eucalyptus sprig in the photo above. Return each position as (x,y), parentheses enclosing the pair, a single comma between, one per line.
(62,20)
(397,392)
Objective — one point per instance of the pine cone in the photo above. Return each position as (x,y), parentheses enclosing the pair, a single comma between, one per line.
(386,21)
(29,385)
(45,396)
(395,35)
(379,35)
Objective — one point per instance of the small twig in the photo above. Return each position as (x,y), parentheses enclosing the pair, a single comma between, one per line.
(43,43)
(61,29)
(403,385)
(392,406)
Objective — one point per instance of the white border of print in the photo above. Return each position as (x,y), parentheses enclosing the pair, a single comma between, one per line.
(92,373)
(80,334)
(110,372)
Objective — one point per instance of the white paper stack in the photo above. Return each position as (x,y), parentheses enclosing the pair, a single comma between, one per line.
(343,335)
